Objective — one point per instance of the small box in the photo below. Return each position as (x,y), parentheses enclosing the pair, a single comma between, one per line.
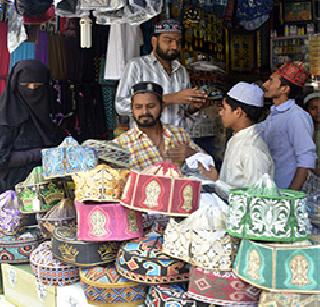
(22,289)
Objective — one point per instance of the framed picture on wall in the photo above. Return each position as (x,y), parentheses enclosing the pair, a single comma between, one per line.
(242,52)
(297,11)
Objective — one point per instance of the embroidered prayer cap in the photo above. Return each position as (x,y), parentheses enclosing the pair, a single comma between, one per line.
(165,26)
(247,93)
(294,72)
(311,96)
(146,87)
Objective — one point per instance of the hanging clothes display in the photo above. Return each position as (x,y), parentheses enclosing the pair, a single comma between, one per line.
(124,44)
(26,51)
(41,52)
(4,56)
(16,32)
(253,13)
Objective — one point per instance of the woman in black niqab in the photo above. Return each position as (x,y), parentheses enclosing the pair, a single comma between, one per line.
(25,124)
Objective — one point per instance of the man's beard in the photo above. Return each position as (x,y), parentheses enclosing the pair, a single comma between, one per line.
(146,123)
(174,54)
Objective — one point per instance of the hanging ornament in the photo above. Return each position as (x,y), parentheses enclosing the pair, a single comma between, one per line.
(85,32)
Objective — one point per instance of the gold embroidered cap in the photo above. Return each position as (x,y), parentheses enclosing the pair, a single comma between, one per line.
(102,184)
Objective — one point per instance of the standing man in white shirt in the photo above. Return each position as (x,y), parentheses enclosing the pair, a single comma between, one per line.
(247,156)
(162,67)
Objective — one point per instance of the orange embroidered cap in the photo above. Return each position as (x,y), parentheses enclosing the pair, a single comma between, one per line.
(294,72)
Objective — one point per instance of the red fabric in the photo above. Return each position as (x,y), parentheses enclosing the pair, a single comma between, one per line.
(175,196)
(38,20)
(4,56)
(294,72)
(220,288)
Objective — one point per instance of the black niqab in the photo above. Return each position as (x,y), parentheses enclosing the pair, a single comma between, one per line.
(19,103)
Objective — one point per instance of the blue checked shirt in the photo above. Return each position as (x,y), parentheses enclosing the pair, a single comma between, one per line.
(148,68)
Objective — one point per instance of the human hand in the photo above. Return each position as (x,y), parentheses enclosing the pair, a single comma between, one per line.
(179,153)
(211,174)
(192,96)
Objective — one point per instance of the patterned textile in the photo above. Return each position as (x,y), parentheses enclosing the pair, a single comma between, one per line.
(201,239)
(253,13)
(66,159)
(280,217)
(67,248)
(17,249)
(144,153)
(279,267)
(107,222)
(37,194)
(10,215)
(206,248)
(271,299)
(63,214)
(167,296)
(102,184)
(221,288)
(143,261)
(294,72)
(104,285)
(50,271)
(161,189)
(110,152)
(166,26)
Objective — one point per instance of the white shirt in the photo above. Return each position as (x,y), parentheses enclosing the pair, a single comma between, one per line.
(148,68)
(247,158)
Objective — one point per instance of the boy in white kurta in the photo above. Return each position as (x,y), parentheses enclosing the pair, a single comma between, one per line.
(247,156)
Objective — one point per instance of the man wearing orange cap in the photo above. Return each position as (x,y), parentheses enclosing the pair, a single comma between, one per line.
(288,129)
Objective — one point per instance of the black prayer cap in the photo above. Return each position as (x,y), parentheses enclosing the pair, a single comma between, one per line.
(146,87)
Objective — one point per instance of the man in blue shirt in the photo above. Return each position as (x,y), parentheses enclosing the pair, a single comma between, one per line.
(288,129)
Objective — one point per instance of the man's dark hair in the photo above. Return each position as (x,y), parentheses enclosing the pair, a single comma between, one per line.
(252,112)
(296,92)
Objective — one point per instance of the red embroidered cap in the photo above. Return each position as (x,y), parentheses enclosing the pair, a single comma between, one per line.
(294,72)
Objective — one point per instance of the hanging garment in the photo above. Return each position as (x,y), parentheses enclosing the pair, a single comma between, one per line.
(26,51)
(16,31)
(56,57)
(41,52)
(253,13)
(32,7)
(124,44)
(4,56)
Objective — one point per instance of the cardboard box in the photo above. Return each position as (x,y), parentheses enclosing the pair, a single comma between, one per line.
(22,289)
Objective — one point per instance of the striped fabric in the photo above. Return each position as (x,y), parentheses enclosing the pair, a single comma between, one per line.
(148,68)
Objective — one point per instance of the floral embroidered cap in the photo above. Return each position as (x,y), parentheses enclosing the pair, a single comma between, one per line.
(104,285)
(161,189)
(201,238)
(294,72)
(37,194)
(107,222)
(279,267)
(288,299)
(68,158)
(265,213)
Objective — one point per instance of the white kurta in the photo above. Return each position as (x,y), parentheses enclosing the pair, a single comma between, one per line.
(247,158)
